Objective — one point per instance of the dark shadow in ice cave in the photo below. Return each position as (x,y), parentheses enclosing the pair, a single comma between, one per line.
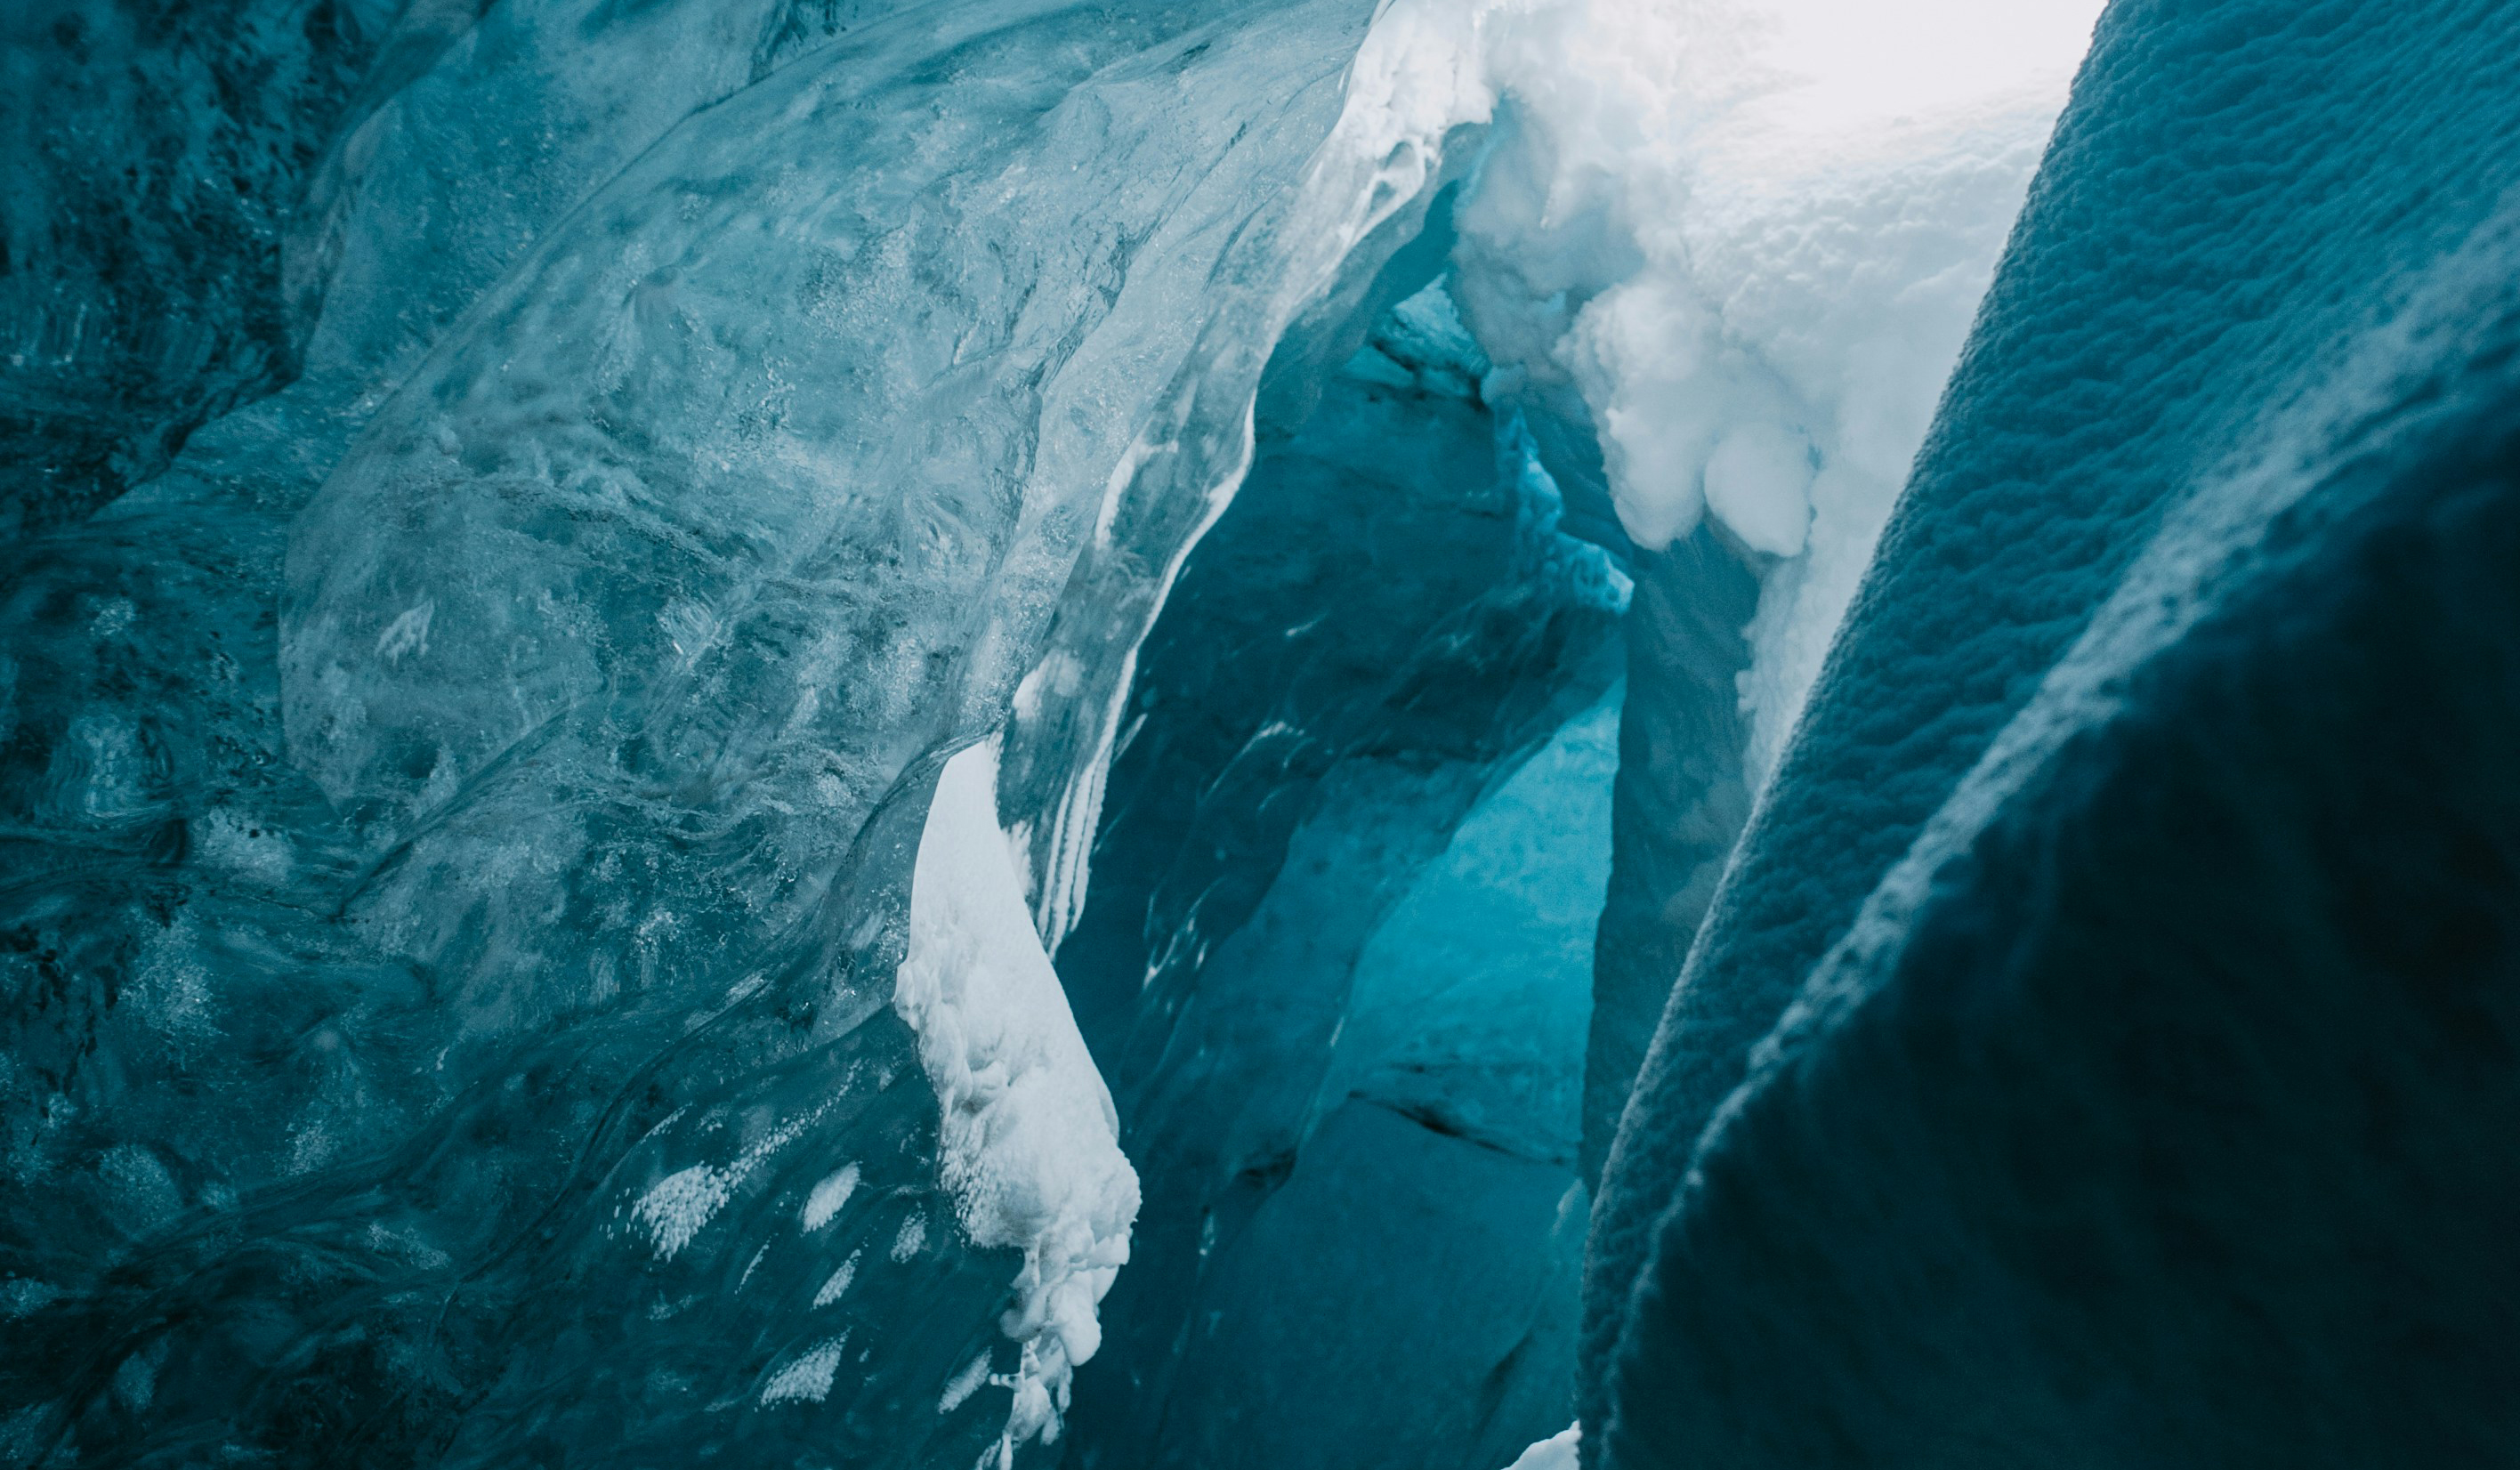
(1339,961)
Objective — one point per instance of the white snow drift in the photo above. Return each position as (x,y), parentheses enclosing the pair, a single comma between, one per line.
(1029,1144)
(1747,239)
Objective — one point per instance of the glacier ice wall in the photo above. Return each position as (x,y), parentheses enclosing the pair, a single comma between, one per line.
(2097,1052)
(464,813)
(1334,960)
(591,578)
(472,798)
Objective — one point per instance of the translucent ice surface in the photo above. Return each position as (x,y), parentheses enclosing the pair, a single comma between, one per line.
(466,813)
(590,572)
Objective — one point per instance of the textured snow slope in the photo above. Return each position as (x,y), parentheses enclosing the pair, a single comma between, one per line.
(2093,1105)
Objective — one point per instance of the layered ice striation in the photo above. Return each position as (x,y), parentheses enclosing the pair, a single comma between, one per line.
(2099,1050)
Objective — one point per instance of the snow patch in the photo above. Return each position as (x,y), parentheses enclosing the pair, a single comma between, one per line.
(676,1207)
(828,1196)
(407,633)
(964,1384)
(674,1211)
(1556,1453)
(1029,1142)
(1744,237)
(808,1379)
(833,1288)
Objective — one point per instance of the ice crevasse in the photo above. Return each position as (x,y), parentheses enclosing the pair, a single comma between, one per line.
(1235,962)
(687,774)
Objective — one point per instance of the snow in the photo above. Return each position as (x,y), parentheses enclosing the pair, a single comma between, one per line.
(1556,1453)
(838,1286)
(676,1207)
(828,1196)
(1746,238)
(807,1379)
(674,1211)
(1029,1144)
(964,1384)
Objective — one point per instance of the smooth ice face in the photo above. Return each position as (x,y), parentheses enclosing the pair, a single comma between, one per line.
(1466,1009)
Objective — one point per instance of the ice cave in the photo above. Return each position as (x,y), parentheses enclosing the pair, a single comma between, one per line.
(1260,735)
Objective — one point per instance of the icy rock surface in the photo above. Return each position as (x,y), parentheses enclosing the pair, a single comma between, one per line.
(1682,793)
(463,814)
(2100,1049)
(1336,958)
